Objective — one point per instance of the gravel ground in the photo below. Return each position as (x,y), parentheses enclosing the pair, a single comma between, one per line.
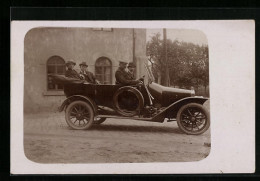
(48,139)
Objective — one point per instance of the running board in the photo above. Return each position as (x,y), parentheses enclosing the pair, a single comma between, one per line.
(134,118)
(170,120)
(123,117)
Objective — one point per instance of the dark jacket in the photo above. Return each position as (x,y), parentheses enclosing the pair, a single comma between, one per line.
(89,76)
(72,74)
(131,75)
(122,77)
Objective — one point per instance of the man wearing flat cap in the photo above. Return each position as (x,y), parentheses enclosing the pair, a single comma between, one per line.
(122,76)
(70,72)
(88,76)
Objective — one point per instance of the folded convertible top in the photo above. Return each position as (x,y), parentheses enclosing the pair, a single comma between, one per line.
(61,79)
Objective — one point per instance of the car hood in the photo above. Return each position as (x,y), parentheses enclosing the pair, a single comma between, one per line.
(160,89)
(167,95)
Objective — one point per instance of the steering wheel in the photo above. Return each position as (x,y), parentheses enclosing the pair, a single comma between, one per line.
(142,79)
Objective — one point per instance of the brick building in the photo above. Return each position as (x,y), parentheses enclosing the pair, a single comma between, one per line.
(47,49)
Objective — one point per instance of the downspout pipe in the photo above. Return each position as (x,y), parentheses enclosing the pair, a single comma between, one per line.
(134,59)
(134,46)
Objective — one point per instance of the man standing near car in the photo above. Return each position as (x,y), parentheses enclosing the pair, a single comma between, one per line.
(88,76)
(122,77)
(70,72)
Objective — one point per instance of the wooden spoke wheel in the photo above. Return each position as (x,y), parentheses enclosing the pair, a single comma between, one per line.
(193,119)
(79,115)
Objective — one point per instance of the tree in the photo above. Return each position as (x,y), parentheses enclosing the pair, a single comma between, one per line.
(154,50)
(188,64)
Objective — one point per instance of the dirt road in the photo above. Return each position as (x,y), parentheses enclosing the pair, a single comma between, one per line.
(48,139)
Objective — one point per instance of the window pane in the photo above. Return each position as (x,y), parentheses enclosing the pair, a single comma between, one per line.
(103,70)
(51,86)
(60,61)
(49,79)
(98,70)
(106,62)
(107,78)
(99,78)
(107,70)
(55,65)
(54,60)
(51,61)
(51,69)
(59,86)
(103,62)
(60,69)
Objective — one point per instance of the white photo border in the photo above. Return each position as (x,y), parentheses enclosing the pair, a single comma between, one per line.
(232,103)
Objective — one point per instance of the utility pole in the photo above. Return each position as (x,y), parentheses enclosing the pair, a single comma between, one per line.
(166,76)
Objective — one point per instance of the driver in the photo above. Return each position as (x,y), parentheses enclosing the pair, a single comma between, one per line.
(131,70)
(122,77)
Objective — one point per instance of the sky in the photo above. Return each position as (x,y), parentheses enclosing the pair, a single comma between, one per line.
(186,35)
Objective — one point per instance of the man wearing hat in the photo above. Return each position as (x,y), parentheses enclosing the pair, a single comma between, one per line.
(131,70)
(88,76)
(122,76)
(70,72)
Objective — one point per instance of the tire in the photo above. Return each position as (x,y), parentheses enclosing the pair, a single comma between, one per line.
(193,119)
(99,121)
(129,94)
(79,112)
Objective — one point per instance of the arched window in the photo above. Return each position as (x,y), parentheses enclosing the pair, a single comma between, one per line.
(55,65)
(103,70)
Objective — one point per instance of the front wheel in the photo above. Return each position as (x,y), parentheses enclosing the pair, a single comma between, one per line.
(193,119)
(79,115)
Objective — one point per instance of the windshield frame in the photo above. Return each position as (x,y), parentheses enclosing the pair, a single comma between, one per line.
(149,73)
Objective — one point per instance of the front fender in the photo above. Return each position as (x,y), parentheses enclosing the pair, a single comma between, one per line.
(172,110)
(77,97)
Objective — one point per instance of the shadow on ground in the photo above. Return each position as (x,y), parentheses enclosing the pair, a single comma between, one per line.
(135,128)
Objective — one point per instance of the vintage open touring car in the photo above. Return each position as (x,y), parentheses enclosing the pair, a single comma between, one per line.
(87,104)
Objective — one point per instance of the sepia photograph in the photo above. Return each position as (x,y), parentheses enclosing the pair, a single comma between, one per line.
(116,95)
(132,97)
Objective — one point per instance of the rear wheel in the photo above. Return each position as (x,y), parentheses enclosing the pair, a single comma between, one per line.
(79,115)
(193,119)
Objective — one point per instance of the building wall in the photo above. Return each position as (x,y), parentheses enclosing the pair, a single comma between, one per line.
(79,44)
(140,51)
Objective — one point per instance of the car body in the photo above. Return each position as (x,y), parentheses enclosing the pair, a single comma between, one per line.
(88,104)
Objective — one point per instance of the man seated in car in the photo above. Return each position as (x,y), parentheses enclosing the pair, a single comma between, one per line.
(122,76)
(70,72)
(131,70)
(88,76)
